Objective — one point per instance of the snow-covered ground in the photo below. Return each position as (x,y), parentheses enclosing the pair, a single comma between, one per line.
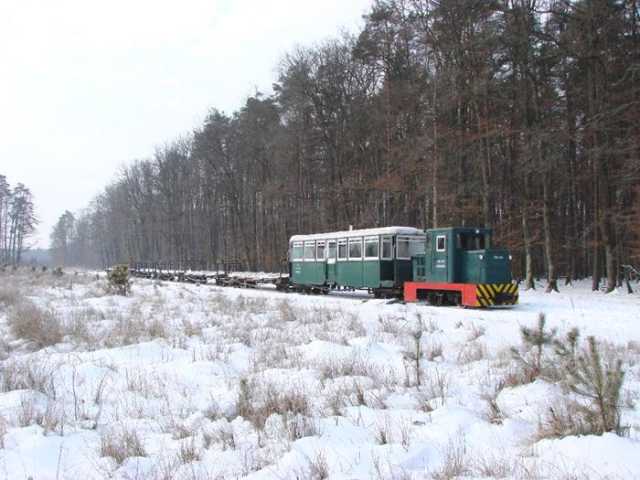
(199,382)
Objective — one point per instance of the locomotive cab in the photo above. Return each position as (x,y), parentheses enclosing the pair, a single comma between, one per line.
(461,266)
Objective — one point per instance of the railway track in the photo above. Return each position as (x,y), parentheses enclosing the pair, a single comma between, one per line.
(223,278)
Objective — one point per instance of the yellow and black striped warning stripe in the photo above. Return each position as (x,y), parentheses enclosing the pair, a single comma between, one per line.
(486,293)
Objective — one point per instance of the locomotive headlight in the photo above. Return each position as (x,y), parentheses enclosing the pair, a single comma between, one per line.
(510,257)
(480,256)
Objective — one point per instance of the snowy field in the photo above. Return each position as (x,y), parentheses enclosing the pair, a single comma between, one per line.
(181,381)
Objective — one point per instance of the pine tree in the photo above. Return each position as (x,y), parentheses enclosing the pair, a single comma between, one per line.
(536,338)
(567,350)
(601,383)
(119,281)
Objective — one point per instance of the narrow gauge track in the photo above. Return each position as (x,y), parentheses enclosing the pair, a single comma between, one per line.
(221,278)
(224,277)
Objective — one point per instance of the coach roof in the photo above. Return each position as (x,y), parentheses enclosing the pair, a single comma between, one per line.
(366,232)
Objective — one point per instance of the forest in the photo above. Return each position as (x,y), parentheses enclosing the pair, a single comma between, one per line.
(519,115)
(17,221)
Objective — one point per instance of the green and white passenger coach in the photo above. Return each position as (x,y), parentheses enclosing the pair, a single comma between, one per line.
(376,259)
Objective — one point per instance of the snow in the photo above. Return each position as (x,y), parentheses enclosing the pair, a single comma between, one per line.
(328,385)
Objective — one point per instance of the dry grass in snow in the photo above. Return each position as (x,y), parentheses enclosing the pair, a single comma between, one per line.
(197,382)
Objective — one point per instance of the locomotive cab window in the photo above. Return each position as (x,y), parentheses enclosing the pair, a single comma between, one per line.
(342,249)
(371,246)
(387,248)
(320,251)
(297,252)
(309,251)
(472,241)
(355,248)
(441,243)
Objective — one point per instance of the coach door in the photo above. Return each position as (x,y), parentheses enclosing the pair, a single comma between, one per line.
(331,262)
(439,258)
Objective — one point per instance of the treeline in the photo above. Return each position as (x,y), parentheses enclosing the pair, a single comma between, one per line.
(521,115)
(17,221)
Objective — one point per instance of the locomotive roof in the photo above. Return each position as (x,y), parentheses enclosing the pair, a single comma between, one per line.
(359,233)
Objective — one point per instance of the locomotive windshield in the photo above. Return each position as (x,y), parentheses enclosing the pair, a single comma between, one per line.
(473,241)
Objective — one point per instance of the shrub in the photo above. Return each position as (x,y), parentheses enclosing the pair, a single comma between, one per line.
(42,327)
(597,383)
(222,434)
(536,339)
(318,467)
(456,462)
(257,406)
(600,382)
(121,445)
(10,296)
(493,413)
(561,420)
(189,451)
(414,354)
(118,277)
(567,350)
(28,372)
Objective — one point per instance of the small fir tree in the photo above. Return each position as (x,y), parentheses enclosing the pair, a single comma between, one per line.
(536,338)
(600,382)
(567,349)
(118,278)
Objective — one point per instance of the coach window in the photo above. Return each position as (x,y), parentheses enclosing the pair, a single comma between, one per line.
(402,248)
(387,248)
(342,249)
(331,250)
(297,251)
(320,251)
(355,248)
(441,243)
(309,251)
(371,248)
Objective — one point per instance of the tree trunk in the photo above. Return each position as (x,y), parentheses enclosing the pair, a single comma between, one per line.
(529,283)
(552,282)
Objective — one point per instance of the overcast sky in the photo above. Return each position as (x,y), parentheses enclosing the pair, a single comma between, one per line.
(87,86)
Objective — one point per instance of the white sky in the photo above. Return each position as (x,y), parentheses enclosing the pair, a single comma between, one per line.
(87,86)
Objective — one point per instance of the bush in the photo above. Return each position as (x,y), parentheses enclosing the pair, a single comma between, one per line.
(28,372)
(536,339)
(121,445)
(600,382)
(256,405)
(42,327)
(597,384)
(118,277)
(10,296)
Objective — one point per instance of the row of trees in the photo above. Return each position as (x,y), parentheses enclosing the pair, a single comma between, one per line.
(17,221)
(521,115)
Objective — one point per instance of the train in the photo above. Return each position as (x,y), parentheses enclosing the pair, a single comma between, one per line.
(440,266)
